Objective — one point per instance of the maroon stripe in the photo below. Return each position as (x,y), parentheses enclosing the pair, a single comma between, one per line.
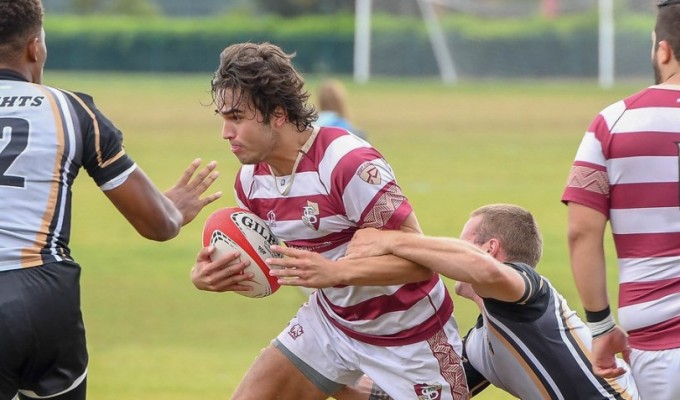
(642,292)
(408,336)
(635,144)
(661,336)
(403,299)
(640,245)
(645,195)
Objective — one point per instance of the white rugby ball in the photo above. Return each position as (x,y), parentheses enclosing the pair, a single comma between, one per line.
(235,229)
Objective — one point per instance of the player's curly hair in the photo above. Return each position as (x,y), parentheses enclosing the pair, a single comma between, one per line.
(516,230)
(263,76)
(19,19)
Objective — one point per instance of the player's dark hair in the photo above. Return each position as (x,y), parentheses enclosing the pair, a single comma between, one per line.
(20,21)
(668,26)
(516,230)
(263,76)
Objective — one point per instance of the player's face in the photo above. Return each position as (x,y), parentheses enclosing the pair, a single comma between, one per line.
(251,138)
(469,232)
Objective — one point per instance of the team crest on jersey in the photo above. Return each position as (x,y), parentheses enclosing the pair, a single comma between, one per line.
(271,218)
(427,391)
(369,173)
(310,215)
(296,331)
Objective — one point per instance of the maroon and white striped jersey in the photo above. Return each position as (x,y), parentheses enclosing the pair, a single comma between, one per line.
(342,184)
(46,136)
(627,168)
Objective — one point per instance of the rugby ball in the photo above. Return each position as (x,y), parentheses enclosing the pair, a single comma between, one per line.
(235,229)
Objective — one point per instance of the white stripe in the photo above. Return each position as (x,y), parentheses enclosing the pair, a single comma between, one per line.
(648,119)
(359,194)
(304,184)
(297,230)
(246,178)
(648,269)
(118,180)
(590,150)
(70,143)
(640,315)
(394,322)
(526,353)
(613,112)
(642,169)
(580,331)
(645,220)
(75,384)
(337,149)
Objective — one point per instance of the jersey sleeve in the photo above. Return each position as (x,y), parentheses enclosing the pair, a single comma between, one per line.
(588,182)
(533,303)
(369,190)
(104,157)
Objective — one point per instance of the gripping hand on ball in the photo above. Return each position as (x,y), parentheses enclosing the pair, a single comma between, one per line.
(225,274)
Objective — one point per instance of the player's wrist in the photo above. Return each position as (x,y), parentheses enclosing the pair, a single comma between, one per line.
(600,322)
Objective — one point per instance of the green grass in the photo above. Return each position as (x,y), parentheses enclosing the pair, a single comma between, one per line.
(152,336)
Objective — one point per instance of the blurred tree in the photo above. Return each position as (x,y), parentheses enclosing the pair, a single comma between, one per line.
(291,8)
(84,6)
(135,7)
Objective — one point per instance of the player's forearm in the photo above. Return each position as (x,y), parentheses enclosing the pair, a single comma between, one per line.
(588,269)
(586,253)
(381,271)
(453,258)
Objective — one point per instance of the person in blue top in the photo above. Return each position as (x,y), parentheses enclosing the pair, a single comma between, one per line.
(333,110)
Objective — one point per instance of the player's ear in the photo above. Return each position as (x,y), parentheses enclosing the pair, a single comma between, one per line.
(664,53)
(33,49)
(493,248)
(278,117)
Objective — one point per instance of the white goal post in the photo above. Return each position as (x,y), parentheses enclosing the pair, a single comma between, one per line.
(443,54)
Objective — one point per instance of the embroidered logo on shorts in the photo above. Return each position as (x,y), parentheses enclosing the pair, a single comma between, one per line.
(427,391)
(369,173)
(295,331)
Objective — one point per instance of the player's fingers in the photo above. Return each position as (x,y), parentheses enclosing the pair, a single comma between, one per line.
(205,177)
(189,172)
(211,198)
(626,355)
(205,183)
(226,259)
(286,251)
(608,372)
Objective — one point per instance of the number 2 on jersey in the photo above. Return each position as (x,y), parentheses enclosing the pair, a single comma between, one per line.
(17,130)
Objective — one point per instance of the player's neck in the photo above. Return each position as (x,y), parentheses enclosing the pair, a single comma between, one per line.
(288,154)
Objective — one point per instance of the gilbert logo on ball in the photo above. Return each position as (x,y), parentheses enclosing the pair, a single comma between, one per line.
(235,229)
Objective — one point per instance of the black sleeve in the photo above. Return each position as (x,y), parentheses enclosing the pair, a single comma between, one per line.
(533,303)
(103,156)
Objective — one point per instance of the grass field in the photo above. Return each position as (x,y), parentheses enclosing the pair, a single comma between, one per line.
(153,336)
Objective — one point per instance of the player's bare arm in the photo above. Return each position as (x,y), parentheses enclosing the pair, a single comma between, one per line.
(304,268)
(586,251)
(158,216)
(453,258)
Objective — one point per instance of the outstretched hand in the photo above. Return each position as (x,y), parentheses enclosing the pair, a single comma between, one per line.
(187,192)
(605,348)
